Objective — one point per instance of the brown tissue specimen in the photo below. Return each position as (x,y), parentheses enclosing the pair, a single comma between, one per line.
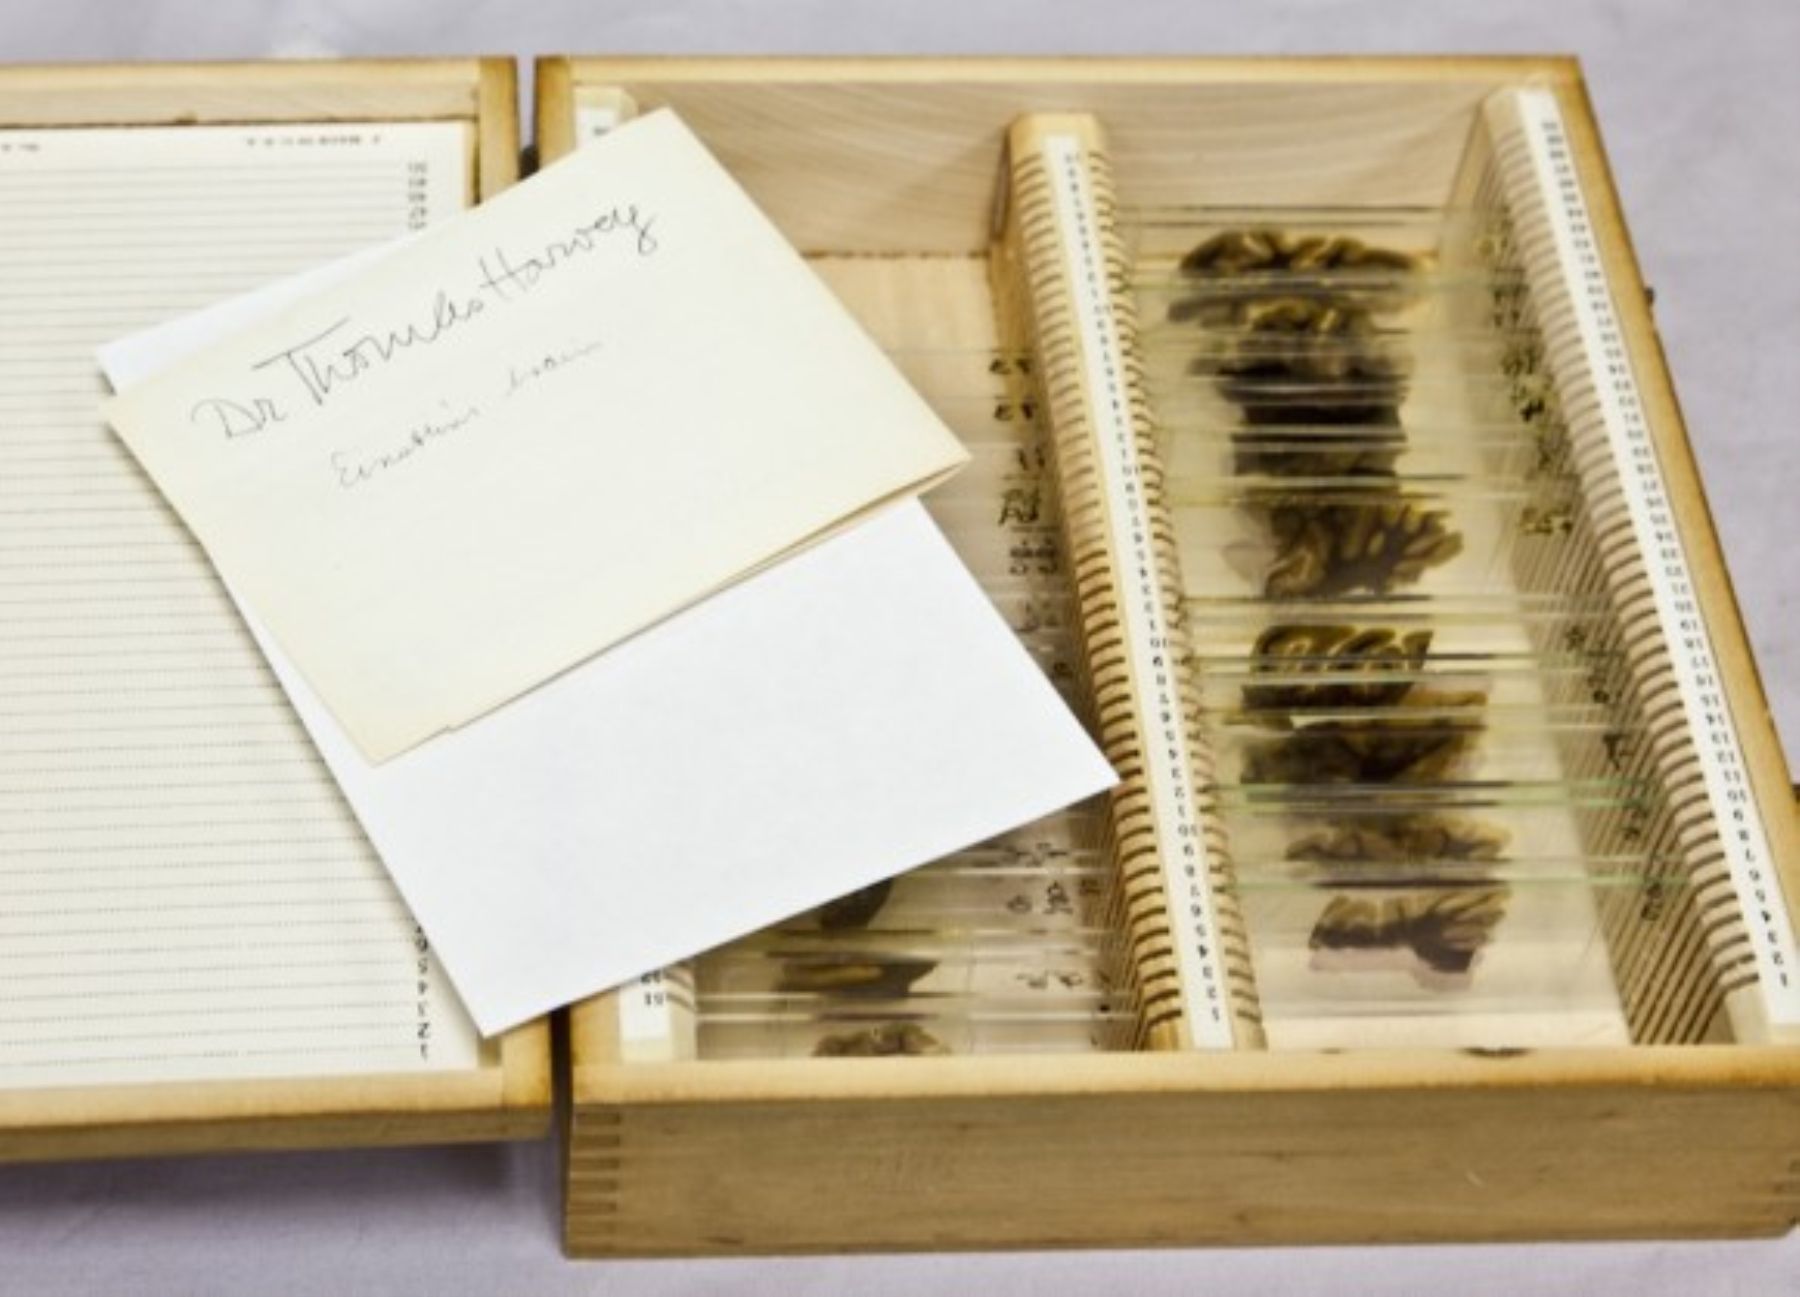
(1359,666)
(1407,733)
(1402,839)
(876,976)
(1445,929)
(1350,545)
(1444,924)
(855,909)
(1267,250)
(1294,340)
(1296,346)
(1399,731)
(888,1040)
(1421,739)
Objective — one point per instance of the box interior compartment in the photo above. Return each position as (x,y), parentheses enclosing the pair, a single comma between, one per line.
(1562,924)
(1543,1101)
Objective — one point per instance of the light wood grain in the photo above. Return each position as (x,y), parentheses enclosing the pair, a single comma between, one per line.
(553,112)
(139,94)
(871,155)
(1191,1166)
(496,126)
(1166,1148)
(883,158)
(508,1095)
(1033,239)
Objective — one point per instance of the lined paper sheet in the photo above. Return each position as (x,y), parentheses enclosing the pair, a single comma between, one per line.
(183,892)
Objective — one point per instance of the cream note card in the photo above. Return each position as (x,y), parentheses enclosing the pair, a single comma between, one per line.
(833,719)
(528,435)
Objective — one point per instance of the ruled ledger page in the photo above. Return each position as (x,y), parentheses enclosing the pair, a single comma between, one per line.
(183,892)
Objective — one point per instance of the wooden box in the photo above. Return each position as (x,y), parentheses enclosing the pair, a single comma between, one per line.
(506,1094)
(895,178)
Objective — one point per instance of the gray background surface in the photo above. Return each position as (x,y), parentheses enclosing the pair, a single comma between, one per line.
(1700,105)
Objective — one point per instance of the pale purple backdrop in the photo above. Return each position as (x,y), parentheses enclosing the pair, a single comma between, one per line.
(1700,105)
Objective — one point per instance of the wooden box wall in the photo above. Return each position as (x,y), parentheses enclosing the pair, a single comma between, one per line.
(903,159)
(508,1095)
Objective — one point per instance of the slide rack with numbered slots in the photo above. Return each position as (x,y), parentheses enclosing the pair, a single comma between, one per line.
(504,1093)
(1450,874)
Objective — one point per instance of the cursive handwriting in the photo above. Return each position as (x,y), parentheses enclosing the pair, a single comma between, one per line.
(235,419)
(504,277)
(352,472)
(521,376)
(328,361)
(325,361)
